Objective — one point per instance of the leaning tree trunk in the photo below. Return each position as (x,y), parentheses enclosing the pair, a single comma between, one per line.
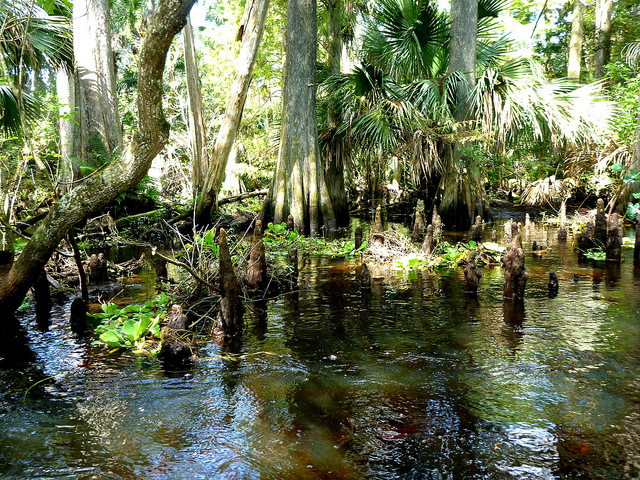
(299,187)
(251,30)
(575,45)
(98,120)
(121,175)
(603,36)
(197,123)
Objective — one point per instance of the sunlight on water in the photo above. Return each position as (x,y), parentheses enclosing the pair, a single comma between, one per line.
(409,380)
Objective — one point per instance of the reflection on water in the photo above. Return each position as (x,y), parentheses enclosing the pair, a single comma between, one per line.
(411,379)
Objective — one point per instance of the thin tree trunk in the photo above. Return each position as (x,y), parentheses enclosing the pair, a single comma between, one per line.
(299,187)
(575,45)
(603,36)
(122,174)
(250,34)
(69,169)
(197,123)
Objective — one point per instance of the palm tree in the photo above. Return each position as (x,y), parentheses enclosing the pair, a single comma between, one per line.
(400,101)
(31,39)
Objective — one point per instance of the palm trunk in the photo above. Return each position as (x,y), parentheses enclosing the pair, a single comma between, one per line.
(334,156)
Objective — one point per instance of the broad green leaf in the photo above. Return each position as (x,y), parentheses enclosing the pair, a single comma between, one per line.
(129,329)
(112,339)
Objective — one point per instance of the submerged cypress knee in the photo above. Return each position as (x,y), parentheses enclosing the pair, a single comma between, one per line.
(78,316)
(175,349)
(357,237)
(515,273)
(229,320)
(257,274)
(472,275)
(553,284)
(476,229)
(562,232)
(365,277)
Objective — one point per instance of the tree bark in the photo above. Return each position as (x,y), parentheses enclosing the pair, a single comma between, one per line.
(575,45)
(463,50)
(461,186)
(299,187)
(122,174)
(603,36)
(95,87)
(250,33)
(70,141)
(335,157)
(197,123)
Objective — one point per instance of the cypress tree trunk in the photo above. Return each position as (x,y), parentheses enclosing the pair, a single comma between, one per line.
(120,176)
(603,36)
(98,120)
(575,45)
(299,187)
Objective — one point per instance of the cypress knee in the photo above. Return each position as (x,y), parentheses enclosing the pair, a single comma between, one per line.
(614,238)
(365,277)
(427,245)
(600,232)
(78,316)
(515,273)
(562,232)
(476,229)
(472,275)
(357,237)
(257,273)
(419,223)
(229,320)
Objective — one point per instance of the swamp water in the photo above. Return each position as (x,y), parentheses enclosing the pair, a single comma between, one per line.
(411,380)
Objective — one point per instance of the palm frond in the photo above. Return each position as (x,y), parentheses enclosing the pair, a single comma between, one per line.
(631,52)
(9,110)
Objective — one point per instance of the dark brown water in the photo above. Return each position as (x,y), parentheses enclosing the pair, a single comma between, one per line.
(411,380)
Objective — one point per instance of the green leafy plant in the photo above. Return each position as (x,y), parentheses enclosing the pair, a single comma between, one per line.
(206,241)
(450,255)
(411,262)
(130,327)
(276,234)
(597,253)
